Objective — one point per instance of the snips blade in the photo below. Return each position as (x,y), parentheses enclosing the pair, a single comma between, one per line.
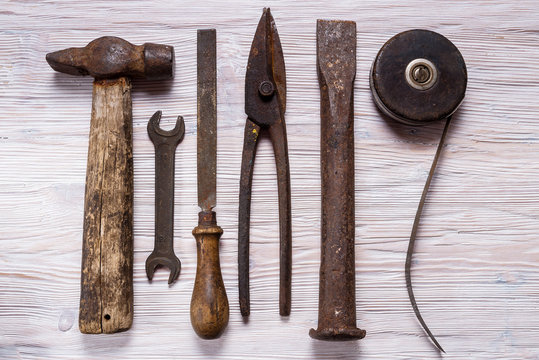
(265,78)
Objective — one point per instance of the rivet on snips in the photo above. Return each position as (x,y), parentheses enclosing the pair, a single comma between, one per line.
(417,77)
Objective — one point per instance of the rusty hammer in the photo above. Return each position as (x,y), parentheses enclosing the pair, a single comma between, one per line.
(106,299)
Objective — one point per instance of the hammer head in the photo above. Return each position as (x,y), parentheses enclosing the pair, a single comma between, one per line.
(111,57)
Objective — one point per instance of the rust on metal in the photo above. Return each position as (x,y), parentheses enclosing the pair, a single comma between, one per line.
(111,57)
(207,118)
(165,143)
(265,104)
(209,302)
(417,77)
(336,61)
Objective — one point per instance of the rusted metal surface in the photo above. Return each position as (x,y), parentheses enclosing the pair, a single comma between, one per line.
(207,118)
(265,104)
(209,303)
(111,57)
(165,143)
(106,303)
(419,76)
(336,61)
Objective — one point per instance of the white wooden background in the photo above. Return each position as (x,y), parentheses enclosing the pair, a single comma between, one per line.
(476,269)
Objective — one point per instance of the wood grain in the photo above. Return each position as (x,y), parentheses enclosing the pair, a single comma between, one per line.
(476,269)
(209,303)
(106,299)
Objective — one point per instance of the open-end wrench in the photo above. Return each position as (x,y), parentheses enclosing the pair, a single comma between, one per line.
(165,143)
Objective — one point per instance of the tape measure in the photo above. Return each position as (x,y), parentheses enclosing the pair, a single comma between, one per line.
(419,76)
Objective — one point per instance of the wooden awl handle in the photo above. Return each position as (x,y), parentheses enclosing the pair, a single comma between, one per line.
(209,303)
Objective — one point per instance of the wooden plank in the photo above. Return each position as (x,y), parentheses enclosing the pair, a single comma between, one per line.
(476,270)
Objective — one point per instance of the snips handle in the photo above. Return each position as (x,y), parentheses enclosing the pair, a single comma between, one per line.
(278,137)
(252,131)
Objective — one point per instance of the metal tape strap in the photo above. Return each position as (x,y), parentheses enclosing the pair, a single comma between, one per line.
(413,236)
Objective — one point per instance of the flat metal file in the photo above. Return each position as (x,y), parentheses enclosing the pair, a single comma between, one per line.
(209,303)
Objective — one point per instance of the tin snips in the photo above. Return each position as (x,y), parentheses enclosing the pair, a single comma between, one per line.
(265,103)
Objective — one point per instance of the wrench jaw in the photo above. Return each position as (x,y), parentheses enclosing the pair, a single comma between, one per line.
(159,136)
(170,261)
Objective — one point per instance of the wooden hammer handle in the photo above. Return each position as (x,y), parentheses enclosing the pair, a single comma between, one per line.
(106,301)
(209,303)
